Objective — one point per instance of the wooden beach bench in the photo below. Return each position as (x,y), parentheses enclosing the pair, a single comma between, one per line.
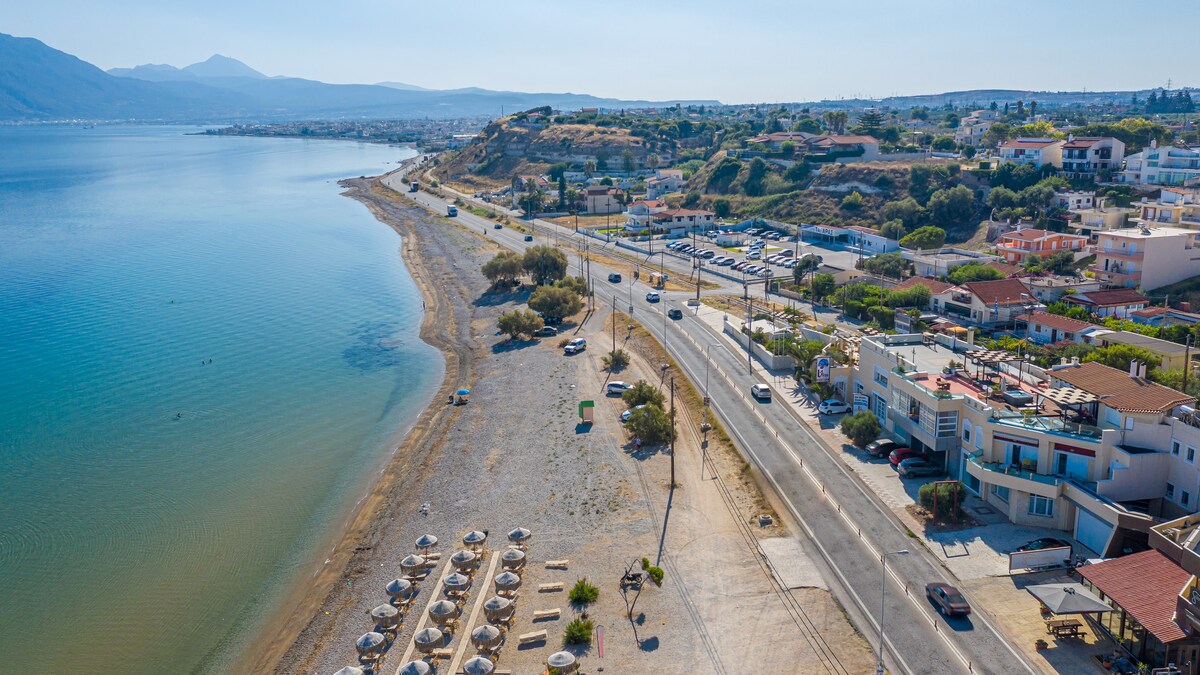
(443,653)
(530,638)
(543,614)
(550,587)
(557,564)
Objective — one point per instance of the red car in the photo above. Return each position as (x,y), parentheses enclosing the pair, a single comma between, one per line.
(948,599)
(900,454)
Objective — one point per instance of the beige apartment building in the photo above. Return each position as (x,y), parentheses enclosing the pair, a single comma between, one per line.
(1146,257)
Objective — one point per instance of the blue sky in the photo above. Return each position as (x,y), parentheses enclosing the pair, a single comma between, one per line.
(736,51)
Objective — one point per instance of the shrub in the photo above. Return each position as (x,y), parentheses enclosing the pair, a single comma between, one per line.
(861,428)
(615,360)
(656,573)
(584,593)
(945,498)
(579,631)
(642,392)
(519,322)
(506,267)
(650,423)
(554,301)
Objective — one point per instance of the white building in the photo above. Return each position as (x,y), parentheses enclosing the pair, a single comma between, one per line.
(1146,257)
(1163,165)
(972,128)
(665,181)
(1085,157)
(1035,151)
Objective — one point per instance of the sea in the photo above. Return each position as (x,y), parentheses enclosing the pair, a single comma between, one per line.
(206,356)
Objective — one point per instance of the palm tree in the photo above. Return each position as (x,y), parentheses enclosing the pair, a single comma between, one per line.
(836,120)
(589,167)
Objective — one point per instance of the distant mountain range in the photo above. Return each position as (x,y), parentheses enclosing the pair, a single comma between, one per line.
(38,82)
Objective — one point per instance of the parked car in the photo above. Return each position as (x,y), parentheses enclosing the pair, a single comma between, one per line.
(617,387)
(900,454)
(529,237)
(915,466)
(882,447)
(727,262)
(717,260)
(948,599)
(764,272)
(1044,542)
(787,253)
(832,406)
(575,346)
(675,313)
(774,236)
(546,331)
(653,296)
(615,278)
(753,231)
(707,255)
(761,392)
(753,255)
(625,415)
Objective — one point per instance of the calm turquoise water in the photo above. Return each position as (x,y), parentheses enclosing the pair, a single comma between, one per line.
(206,353)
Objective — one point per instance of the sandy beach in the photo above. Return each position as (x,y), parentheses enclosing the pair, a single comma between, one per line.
(514,457)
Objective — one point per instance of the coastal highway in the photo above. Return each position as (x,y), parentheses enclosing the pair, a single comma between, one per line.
(845,522)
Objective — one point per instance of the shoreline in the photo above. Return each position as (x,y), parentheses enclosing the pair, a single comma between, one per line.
(439,329)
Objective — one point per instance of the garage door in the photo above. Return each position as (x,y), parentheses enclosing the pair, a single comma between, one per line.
(1091,531)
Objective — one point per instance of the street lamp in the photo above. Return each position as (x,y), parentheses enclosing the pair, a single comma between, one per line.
(882,599)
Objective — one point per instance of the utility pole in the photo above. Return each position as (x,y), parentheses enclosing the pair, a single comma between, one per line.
(614,323)
(1187,360)
(750,337)
(672,432)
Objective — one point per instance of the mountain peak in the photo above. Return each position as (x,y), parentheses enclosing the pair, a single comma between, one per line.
(223,66)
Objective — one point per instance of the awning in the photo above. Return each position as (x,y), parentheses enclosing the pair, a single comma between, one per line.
(1068,396)
(1068,598)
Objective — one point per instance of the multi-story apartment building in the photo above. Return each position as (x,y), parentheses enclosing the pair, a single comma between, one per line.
(988,304)
(665,181)
(1087,221)
(1105,455)
(1074,199)
(1146,257)
(1084,157)
(1163,165)
(1017,246)
(1035,151)
(1174,206)
(972,128)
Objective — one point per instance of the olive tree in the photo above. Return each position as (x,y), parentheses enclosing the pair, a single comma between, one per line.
(545,264)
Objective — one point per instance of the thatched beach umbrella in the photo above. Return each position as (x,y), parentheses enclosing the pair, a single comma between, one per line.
(412,565)
(477,665)
(386,617)
(443,611)
(415,668)
(370,645)
(507,582)
(349,670)
(398,589)
(498,609)
(456,583)
(486,637)
(463,560)
(520,535)
(428,639)
(475,539)
(563,661)
(512,559)
(426,542)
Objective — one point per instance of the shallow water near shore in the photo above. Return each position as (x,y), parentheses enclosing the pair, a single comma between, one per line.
(207,355)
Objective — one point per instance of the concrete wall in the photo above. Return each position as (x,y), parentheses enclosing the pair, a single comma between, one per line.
(765,357)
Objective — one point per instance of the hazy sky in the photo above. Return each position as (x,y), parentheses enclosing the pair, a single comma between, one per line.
(734,50)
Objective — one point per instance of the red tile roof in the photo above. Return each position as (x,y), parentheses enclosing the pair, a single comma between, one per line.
(1112,297)
(1121,392)
(1056,321)
(1149,312)
(1146,586)
(1001,291)
(933,285)
(1028,233)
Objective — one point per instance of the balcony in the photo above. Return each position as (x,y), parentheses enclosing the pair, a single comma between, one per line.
(1123,255)
(1012,476)
(1116,274)
(1051,425)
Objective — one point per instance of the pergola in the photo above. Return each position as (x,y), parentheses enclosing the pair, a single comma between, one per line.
(1083,403)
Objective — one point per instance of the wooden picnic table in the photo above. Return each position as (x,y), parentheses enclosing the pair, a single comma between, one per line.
(1064,627)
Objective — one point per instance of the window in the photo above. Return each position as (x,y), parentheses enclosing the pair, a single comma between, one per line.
(1175,448)
(1170,491)
(880,377)
(1041,506)
(1000,492)
(1191,454)
(966,433)
(1184,497)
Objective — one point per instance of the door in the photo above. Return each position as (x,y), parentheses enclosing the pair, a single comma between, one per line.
(1091,531)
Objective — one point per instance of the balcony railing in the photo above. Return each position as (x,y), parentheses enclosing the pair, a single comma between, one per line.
(1118,253)
(1053,425)
(1013,470)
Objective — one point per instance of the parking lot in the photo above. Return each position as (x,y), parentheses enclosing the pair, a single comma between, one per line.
(758,256)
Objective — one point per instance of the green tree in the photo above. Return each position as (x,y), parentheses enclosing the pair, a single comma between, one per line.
(852,201)
(892,229)
(924,238)
(627,164)
(836,120)
(577,285)
(1174,380)
(589,167)
(906,210)
(503,269)
(996,134)
(650,423)
(1120,356)
(807,125)
(519,322)
(887,265)
(823,285)
(607,181)
(545,264)
(642,392)
(787,148)
(944,144)
(1001,198)
(952,208)
(948,494)
(804,265)
(871,121)
(555,302)
(861,428)
(722,207)
(583,593)
(798,172)
(974,272)
(723,175)
(754,185)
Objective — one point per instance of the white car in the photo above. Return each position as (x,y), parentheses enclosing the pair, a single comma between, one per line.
(719,260)
(727,262)
(765,272)
(761,392)
(625,415)
(753,255)
(832,406)
(617,387)
(575,346)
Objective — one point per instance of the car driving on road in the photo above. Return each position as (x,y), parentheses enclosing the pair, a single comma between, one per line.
(652,296)
(575,346)
(948,599)
(675,313)
(614,277)
(761,392)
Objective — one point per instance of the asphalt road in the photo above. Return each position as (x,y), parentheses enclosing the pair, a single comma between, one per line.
(846,523)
